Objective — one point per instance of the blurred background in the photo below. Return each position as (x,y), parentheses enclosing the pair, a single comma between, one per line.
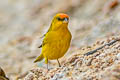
(23,22)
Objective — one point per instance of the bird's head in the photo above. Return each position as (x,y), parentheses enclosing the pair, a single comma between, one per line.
(60,20)
(61,17)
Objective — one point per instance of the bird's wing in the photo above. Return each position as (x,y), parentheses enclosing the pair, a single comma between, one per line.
(44,36)
(40,46)
(49,37)
(42,42)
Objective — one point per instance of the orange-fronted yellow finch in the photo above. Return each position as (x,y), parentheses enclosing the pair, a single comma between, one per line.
(57,40)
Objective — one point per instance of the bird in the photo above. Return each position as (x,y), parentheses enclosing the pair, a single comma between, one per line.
(57,39)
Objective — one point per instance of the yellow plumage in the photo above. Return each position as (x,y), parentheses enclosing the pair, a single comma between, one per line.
(57,40)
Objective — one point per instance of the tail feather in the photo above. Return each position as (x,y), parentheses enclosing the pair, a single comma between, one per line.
(39,58)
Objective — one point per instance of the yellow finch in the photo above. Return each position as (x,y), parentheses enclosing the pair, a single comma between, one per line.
(57,40)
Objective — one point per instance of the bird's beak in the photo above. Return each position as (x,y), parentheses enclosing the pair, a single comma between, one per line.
(65,20)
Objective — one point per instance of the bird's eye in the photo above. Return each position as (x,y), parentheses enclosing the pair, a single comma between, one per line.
(59,19)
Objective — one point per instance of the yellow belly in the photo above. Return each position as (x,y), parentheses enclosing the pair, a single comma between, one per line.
(55,50)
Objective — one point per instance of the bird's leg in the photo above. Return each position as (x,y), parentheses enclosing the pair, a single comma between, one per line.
(47,66)
(58,63)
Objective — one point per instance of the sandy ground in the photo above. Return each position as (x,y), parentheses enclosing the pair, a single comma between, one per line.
(102,65)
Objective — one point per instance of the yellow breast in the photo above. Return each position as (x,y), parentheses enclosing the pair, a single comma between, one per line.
(57,48)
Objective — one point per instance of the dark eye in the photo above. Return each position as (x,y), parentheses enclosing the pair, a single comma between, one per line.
(59,19)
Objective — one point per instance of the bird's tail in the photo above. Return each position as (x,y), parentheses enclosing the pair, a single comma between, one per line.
(39,58)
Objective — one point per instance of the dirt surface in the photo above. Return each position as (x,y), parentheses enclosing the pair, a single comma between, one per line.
(102,65)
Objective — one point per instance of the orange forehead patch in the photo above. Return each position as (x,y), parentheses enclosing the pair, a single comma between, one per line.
(63,15)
